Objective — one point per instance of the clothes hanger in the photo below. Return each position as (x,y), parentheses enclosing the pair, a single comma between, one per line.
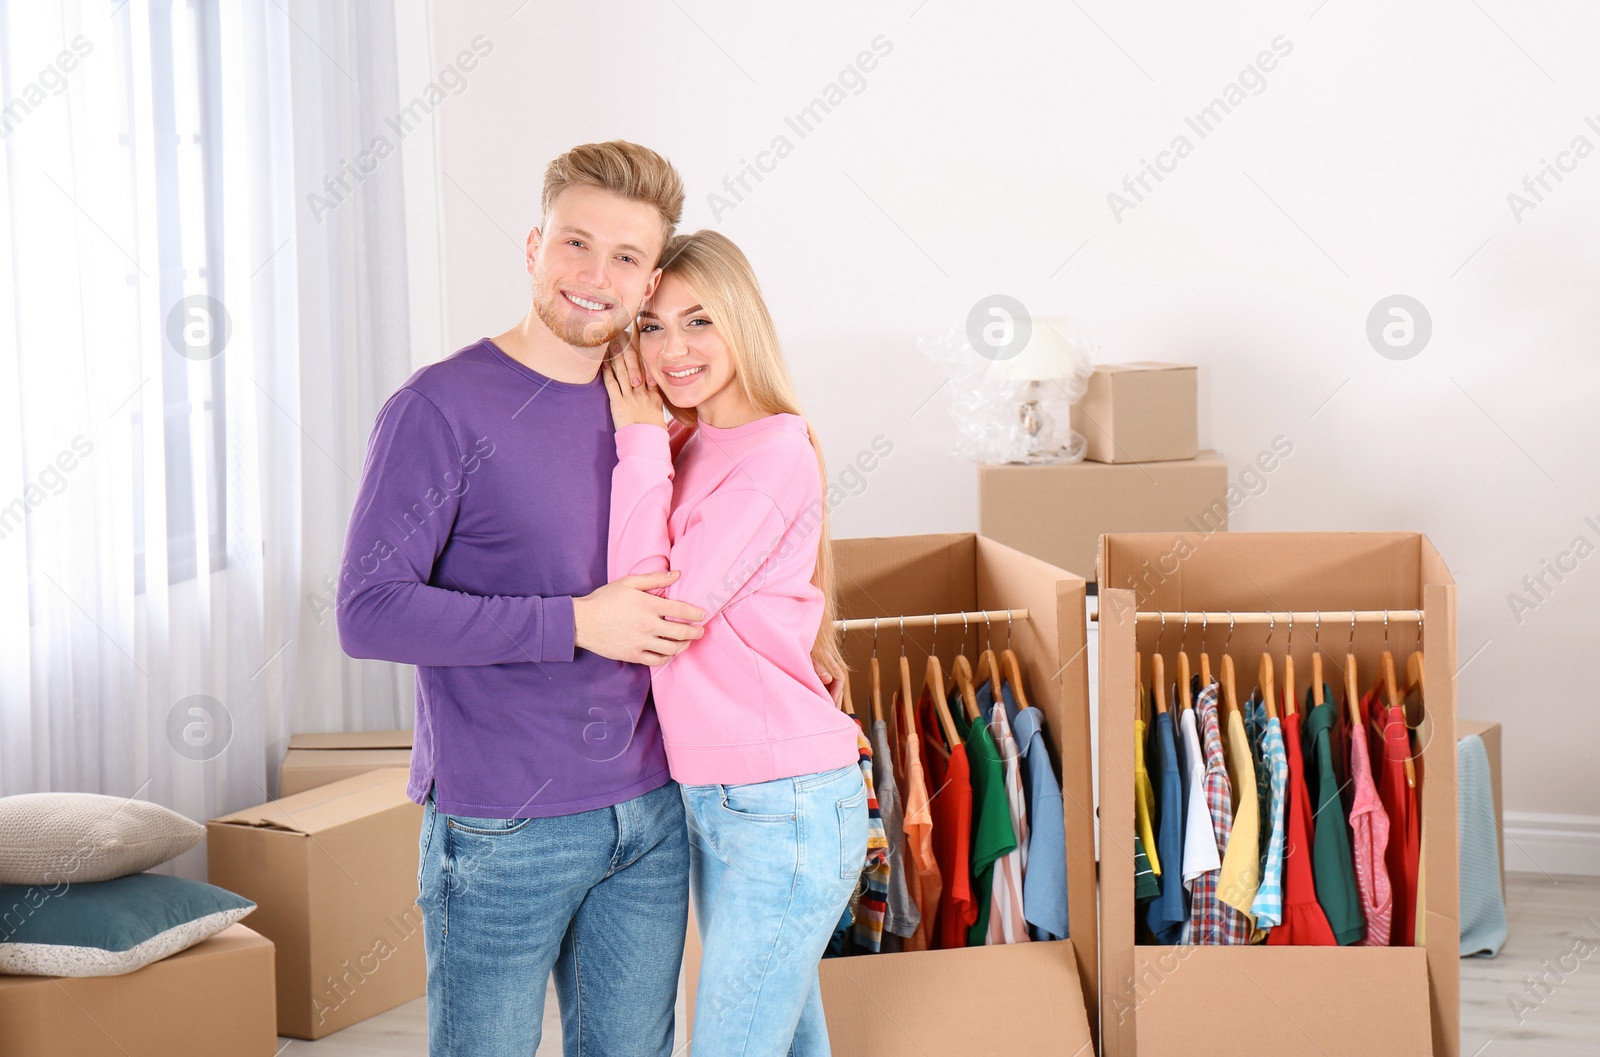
(1230,695)
(1185,693)
(1205,659)
(1013,669)
(875,678)
(1391,695)
(1288,662)
(1352,696)
(962,670)
(933,685)
(1316,660)
(988,663)
(1414,676)
(1158,669)
(1266,674)
(845,702)
(908,701)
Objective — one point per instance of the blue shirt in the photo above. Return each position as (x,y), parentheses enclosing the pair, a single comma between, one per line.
(1044,881)
(1166,913)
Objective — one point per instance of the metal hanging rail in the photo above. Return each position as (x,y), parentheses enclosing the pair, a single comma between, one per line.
(973,616)
(1267,616)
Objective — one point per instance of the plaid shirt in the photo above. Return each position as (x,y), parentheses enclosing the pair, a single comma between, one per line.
(1268,905)
(1211,921)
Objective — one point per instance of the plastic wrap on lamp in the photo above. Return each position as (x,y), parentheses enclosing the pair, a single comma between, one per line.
(1017,409)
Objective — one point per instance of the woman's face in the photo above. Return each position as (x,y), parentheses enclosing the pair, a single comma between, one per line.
(681,347)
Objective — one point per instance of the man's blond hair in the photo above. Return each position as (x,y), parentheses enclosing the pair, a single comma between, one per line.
(623,168)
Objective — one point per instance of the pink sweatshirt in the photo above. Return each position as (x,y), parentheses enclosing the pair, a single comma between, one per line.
(738,514)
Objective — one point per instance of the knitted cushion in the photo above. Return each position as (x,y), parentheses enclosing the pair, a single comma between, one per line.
(47,838)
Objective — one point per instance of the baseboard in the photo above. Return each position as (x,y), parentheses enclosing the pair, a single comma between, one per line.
(1553,844)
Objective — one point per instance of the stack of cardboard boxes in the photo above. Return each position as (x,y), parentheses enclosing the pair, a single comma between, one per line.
(1143,471)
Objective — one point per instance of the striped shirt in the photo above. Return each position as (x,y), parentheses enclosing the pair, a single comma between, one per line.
(1006,921)
(1211,921)
(867,929)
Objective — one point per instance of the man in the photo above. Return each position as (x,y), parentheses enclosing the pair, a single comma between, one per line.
(552,837)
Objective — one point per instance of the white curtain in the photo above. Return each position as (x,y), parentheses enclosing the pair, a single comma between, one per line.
(203,305)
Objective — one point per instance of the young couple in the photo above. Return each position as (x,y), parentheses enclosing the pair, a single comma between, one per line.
(624,645)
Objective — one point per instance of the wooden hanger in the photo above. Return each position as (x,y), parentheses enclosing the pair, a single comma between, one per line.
(1185,692)
(908,700)
(933,686)
(989,665)
(845,703)
(1011,671)
(1352,696)
(1230,695)
(1205,658)
(1316,676)
(962,670)
(1158,680)
(1391,692)
(1268,686)
(1414,677)
(875,689)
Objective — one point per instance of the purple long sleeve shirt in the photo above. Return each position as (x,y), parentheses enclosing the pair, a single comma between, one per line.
(483,511)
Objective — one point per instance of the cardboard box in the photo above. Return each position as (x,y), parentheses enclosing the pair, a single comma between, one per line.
(1058,513)
(1140,412)
(317,759)
(1490,733)
(212,1000)
(1260,1001)
(333,873)
(1028,998)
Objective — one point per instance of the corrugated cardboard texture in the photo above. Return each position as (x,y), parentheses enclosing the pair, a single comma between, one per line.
(1021,999)
(333,872)
(1277,571)
(212,1000)
(1490,733)
(1139,412)
(1058,513)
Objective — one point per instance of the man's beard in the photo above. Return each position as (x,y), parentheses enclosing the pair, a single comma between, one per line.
(579,333)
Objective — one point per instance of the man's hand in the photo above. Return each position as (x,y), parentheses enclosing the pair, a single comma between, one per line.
(625,622)
(635,397)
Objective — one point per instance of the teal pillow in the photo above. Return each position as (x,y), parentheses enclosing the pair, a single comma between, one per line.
(109,927)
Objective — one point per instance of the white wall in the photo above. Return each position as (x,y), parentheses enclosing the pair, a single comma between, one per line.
(978,158)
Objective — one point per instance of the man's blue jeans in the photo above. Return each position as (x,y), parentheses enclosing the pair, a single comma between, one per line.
(773,867)
(600,898)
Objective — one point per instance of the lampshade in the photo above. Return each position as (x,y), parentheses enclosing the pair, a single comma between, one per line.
(1049,353)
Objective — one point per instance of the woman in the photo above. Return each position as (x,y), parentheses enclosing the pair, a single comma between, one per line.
(767,764)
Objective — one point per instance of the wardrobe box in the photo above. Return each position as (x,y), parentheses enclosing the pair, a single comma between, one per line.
(1490,733)
(1059,512)
(212,1000)
(1139,412)
(333,874)
(317,759)
(1260,1001)
(1026,998)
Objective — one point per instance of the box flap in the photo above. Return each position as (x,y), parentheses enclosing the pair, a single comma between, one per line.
(1143,365)
(327,806)
(352,739)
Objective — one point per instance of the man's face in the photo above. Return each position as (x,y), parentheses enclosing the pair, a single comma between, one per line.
(592,264)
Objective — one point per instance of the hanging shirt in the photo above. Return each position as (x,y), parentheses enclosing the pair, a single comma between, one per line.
(951,802)
(1144,798)
(1200,855)
(1369,831)
(1241,858)
(900,915)
(1332,866)
(1044,882)
(1006,921)
(924,882)
(1304,924)
(1211,921)
(1167,913)
(1400,803)
(992,834)
(1268,905)
(867,929)
(1255,725)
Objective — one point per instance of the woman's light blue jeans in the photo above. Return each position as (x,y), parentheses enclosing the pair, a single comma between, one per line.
(772,868)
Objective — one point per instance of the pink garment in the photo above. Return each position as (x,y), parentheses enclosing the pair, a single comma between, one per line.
(738,515)
(1369,828)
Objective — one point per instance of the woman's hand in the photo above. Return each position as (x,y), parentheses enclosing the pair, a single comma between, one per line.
(631,403)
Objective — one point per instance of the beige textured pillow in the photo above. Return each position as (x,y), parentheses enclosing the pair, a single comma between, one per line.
(47,838)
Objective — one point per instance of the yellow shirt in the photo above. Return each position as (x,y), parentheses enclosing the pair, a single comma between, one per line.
(1241,861)
(1144,797)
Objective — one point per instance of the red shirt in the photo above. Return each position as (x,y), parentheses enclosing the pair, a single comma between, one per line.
(1405,818)
(1304,923)
(950,789)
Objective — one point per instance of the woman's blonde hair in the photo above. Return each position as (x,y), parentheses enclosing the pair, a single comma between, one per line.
(725,285)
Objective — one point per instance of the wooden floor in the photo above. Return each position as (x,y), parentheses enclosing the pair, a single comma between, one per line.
(1554,935)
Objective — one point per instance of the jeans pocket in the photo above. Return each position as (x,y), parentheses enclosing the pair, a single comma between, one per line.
(486,827)
(425,841)
(773,801)
(853,834)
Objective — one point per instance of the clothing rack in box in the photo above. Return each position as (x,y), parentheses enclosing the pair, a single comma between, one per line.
(1283,1001)
(983,616)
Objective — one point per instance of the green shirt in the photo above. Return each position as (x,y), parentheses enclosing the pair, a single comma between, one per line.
(992,833)
(1145,885)
(1331,863)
